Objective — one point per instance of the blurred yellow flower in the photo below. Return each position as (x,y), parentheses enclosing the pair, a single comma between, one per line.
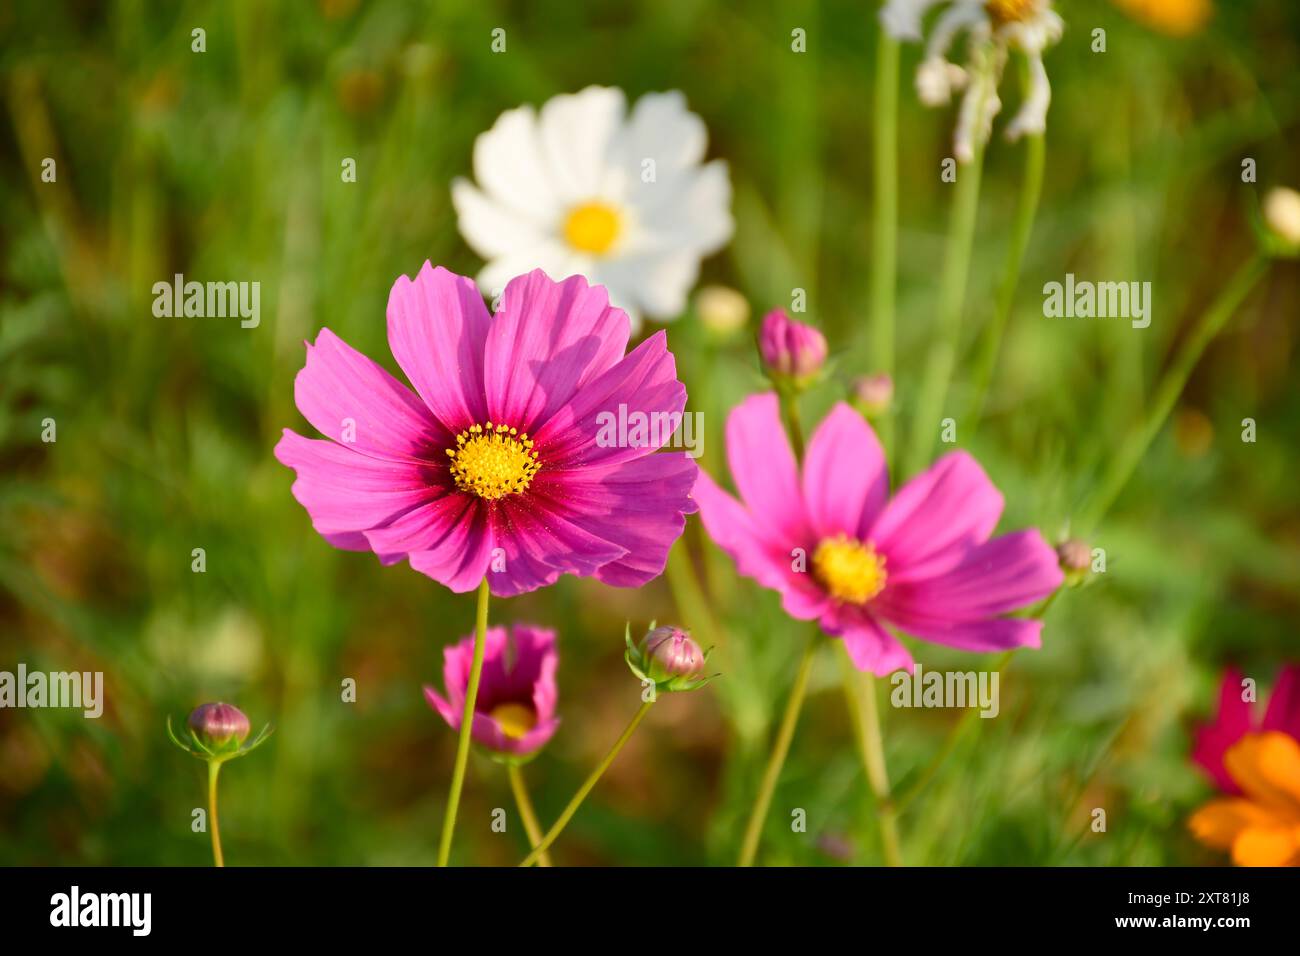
(1177,18)
(1261,826)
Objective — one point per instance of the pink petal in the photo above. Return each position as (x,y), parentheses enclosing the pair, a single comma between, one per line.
(936,517)
(763,468)
(547,341)
(437,329)
(1231,723)
(757,553)
(845,481)
(540,543)
(341,391)
(461,559)
(1284,703)
(637,505)
(643,386)
(870,646)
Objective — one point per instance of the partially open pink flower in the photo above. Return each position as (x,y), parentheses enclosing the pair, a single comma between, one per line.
(790,349)
(842,552)
(492,466)
(514,713)
(1237,717)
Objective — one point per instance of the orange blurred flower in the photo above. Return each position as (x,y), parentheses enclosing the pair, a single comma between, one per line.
(1261,827)
(1178,18)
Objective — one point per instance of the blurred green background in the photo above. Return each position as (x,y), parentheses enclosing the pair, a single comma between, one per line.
(225,165)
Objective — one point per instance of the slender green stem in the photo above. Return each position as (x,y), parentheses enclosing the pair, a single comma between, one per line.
(1031,187)
(526,812)
(790,409)
(780,748)
(884,231)
(860,697)
(952,295)
(214,769)
(1134,447)
(586,788)
(466,724)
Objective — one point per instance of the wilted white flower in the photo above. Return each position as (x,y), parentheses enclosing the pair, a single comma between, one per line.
(993,29)
(585,188)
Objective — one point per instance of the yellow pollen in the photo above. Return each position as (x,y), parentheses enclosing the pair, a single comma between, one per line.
(592,227)
(515,720)
(848,569)
(493,461)
(1009,11)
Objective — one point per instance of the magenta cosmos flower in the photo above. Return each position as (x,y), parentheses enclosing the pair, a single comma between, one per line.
(842,552)
(493,462)
(514,713)
(1237,718)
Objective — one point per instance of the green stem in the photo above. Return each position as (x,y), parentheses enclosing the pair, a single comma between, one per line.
(757,815)
(586,788)
(466,725)
(952,294)
(1134,447)
(790,410)
(1031,187)
(526,812)
(884,233)
(866,731)
(214,769)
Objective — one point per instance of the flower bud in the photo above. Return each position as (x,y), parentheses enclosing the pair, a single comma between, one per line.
(1282,215)
(219,726)
(873,394)
(790,349)
(1075,558)
(672,653)
(722,310)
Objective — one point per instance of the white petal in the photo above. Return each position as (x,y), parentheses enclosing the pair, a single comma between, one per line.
(1032,116)
(979,105)
(551,256)
(658,284)
(577,131)
(691,212)
(936,79)
(902,18)
(490,228)
(511,168)
(663,129)
(965,14)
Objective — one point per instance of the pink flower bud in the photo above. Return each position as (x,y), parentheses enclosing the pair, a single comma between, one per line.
(219,725)
(672,653)
(873,394)
(790,349)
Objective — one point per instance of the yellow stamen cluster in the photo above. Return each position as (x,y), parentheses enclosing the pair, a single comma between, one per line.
(849,570)
(592,227)
(1009,11)
(493,461)
(515,720)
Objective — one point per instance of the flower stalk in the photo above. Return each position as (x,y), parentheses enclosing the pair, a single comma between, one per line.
(526,812)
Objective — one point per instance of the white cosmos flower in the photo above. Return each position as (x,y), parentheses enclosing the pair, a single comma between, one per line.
(993,28)
(584,188)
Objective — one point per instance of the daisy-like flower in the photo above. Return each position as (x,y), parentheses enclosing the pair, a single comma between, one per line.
(584,188)
(843,553)
(514,714)
(492,467)
(994,28)
(1256,763)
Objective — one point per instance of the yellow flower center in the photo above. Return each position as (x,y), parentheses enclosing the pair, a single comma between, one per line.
(493,461)
(515,720)
(1009,11)
(592,227)
(848,569)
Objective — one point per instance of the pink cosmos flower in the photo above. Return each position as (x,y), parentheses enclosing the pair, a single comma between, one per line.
(842,552)
(492,465)
(514,713)
(1237,718)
